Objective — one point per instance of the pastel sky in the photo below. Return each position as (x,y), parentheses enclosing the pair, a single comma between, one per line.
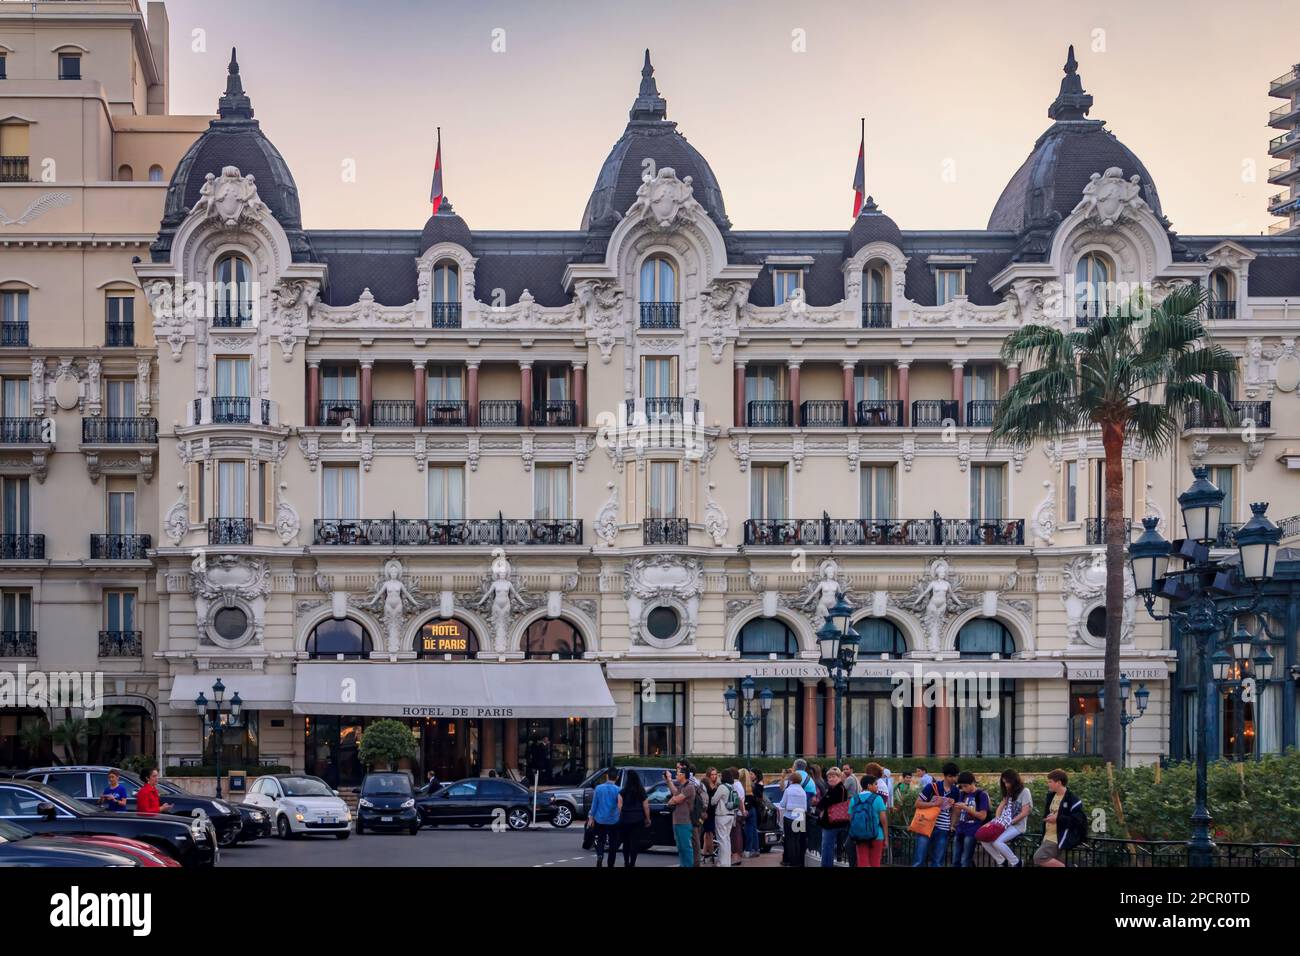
(955,92)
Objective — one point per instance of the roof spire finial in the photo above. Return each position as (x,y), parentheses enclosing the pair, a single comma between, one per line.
(235,104)
(1071,103)
(649,106)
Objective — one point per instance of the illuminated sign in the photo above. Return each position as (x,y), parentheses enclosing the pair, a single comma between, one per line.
(446,637)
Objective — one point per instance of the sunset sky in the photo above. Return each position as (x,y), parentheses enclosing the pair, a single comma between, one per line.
(955,93)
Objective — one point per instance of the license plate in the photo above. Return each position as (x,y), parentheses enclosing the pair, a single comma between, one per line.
(385,819)
(327,819)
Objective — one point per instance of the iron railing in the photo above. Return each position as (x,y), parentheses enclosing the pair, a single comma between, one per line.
(1095,529)
(17,643)
(555,413)
(22,547)
(333,412)
(445,315)
(824,413)
(980,412)
(119,431)
(230,531)
(13,333)
(1259,413)
(880,413)
(231,410)
(444,413)
(21,431)
(395,531)
(660,315)
(120,547)
(778,414)
(392,413)
(665,531)
(121,643)
(241,318)
(662,410)
(877,315)
(934,413)
(15,169)
(1220,309)
(847,532)
(500,413)
(119,334)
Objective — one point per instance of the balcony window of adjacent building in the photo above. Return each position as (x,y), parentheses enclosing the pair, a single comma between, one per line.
(234,291)
(948,284)
(784,284)
(877,492)
(552,499)
(4,67)
(340,392)
(662,497)
(871,383)
(446,282)
(121,505)
(119,397)
(340,491)
(119,611)
(233,378)
(875,283)
(446,492)
(69,66)
(16,514)
(764,383)
(14,393)
(767,493)
(987,492)
(15,153)
(1093,275)
(659,720)
(445,383)
(1085,719)
(659,377)
(1071,496)
(16,610)
(232,489)
(1223,295)
(13,316)
(119,319)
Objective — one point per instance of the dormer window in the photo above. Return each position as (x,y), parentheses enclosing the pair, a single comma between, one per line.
(948,284)
(69,66)
(658,294)
(1222,303)
(784,283)
(875,296)
(446,295)
(234,292)
(1092,278)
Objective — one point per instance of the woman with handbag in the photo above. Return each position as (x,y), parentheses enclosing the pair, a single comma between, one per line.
(1012,814)
(832,814)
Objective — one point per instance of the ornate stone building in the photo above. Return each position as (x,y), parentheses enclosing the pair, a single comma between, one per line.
(547,496)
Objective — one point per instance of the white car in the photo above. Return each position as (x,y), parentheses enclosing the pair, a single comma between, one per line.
(298,804)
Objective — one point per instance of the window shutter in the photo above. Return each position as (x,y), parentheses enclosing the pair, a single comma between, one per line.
(196,492)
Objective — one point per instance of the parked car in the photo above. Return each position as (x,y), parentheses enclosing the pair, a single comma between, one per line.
(660,831)
(87,783)
(299,804)
(142,853)
(574,803)
(478,801)
(46,811)
(255,824)
(21,847)
(387,803)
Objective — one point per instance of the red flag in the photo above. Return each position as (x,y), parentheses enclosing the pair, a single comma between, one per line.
(860,174)
(435,192)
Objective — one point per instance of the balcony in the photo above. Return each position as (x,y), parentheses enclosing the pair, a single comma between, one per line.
(661,315)
(119,431)
(819,413)
(121,643)
(441,413)
(1290,78)
(230,531)
(22,431)
(451,532)
(664,531)
(13,334)
(227,317)
(880,413)
(864,532)
(663,410)
(1260,414)
(1283,174)
(1095,530)
(778,414)
(15,169)
(1220,311)
(1281,144)
(231,410)
(500,413)
(934,413)
(17,643)
(22,547)
(119,334)
(391,413)
(336,412)
(1283,116)
(445,315)
(120,547)
(1087,311)
(877,315)
(554,413)
(980,412)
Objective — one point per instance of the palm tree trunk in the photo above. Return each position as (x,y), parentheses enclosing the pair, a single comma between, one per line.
(1112,436)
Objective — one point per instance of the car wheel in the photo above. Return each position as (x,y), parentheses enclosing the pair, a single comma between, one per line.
(563,816)
(282,828)
(518,818)
(343,836)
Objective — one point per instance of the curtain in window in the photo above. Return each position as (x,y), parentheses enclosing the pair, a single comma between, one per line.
(767,492)
(232,489)
(232,378)
(15,398)
(871,383)
(121,399)
(446,283)
(17,506)
(663,489)
(762,383)
(339,384)
(658,281)
(340,491)
(877,487)
(1222,478)
(444,384)
(120,611)
(17,611)
(980,383)
(659,381)
(1268,723)
(986,493)
(121,512)
(13,306)
(551,492)
(447,493)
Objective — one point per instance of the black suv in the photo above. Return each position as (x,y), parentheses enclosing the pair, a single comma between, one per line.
(573,803)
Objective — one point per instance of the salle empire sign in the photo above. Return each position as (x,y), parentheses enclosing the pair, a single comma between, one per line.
(425,710)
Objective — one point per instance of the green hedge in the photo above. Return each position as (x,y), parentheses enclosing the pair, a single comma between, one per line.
(211,771)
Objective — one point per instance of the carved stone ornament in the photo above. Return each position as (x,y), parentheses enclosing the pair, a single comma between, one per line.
(1109,197)
(820,593)
(601,303)
(292,301)
(664,201)
(1044,520)
(230,197)
(1083,587)
(665,579)
(934,598)
(230,581)
(177,522)
(504,600)
(607,517)
(287,524)
(393,600)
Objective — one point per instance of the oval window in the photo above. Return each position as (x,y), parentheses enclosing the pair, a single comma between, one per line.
(662,623)
(230,623)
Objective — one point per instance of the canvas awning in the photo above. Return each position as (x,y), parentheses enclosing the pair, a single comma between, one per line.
(812,670)
(473,689)
(256,691)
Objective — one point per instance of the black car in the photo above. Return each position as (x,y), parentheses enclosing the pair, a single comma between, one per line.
(87,783)
(48,812)
(387,803)
(20,847)
(255,824)
(479,801)
(574,803)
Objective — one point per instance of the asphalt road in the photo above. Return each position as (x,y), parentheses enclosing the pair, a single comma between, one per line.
(445,846)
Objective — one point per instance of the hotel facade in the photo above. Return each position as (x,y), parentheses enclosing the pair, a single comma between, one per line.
(547,496)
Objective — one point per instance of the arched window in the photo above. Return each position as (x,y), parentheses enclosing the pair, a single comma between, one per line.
(155,173)
(984,637)
(875,282)
(332,638)
(1223,295)
(547,638)
(443,636)
(125,173)
(658,280)
(1093,275)
(877,636)
(234,291)
(446,281)
(763,637)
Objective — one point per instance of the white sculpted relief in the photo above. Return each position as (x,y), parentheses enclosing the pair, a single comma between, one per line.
(935,598)
(504,600)
(1083,584)
(393,601)
(1109,197)
(663,579)
(232,198)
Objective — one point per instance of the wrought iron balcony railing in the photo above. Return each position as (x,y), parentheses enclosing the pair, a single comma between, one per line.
(847,532)
(445,315)
(15,169)
(664,410)
(555,413)
(119,334)
(231,409)
(500,413)
(934,413)
(824,413)
(877,315)
(1095,529)
(119,431)
(392,413)
(17,643)
(1258,413)
(660,315)
(880,413)
(230,531)
(1220,310)
(445,413)
(22,547)
(120,547)
(468,532)
(766,414)
(335,412)
(665,531)
(980,412)
(22,431)
(121,643)
(13,334)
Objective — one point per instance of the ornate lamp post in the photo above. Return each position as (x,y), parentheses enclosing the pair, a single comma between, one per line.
(748,720)
(1205,597)
(839,652)
(234,707)
(1126,716)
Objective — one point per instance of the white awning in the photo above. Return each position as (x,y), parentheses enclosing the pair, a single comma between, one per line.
(812,670)
(256,691)
(473,689)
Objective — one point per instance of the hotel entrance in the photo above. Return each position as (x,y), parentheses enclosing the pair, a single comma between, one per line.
(449,748)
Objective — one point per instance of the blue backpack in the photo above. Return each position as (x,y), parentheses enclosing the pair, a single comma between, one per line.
(864,816)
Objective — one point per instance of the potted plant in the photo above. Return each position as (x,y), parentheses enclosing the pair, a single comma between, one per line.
(384,743)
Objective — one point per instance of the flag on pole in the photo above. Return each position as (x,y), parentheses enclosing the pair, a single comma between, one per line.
(860,174)
(435,192)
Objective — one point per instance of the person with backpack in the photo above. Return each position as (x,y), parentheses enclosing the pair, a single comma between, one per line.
(869,821)
(1064,823)
(972,809)
(832,815)
(794,820)
(725,803)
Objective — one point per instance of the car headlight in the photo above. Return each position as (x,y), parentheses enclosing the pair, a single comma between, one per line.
(365,803)
(408,804)
(300,809)
(257,816)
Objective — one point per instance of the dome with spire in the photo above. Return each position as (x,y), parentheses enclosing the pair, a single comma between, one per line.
(872,225)
(1049,184)
(446,226)
(649,133)
(234,138)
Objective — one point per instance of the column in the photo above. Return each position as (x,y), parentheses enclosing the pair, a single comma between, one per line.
(313,394)
(852,411)
(920,729)
(809,748)
(905,392)
(794,392)
(526,391)
(1013,375)
(580,393)
(367,390)
(487,742)
(958,387)
(828,718)
(510,746)
(471,392)
(421,392)
(740,395)
(942,738)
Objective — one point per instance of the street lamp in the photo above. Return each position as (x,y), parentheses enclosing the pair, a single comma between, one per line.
(1126,716)
(746,696)
(234,707)
(838,646)
(1205,596)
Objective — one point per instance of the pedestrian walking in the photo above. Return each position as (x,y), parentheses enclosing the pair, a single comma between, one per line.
(709,831)
(738,827)
(726,803)
(753,790)
(869,820)
(852,786)
(1011,815)
(114,795)
(699,813)
(832,815)
(972,810)
(603,817)
(633,819)
(683,803)
(932,822)
(794,824)
(1064,823)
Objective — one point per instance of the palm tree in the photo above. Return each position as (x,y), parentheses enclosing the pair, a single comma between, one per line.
(70,734)
(1133,374)
(106,731)
(34,739)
